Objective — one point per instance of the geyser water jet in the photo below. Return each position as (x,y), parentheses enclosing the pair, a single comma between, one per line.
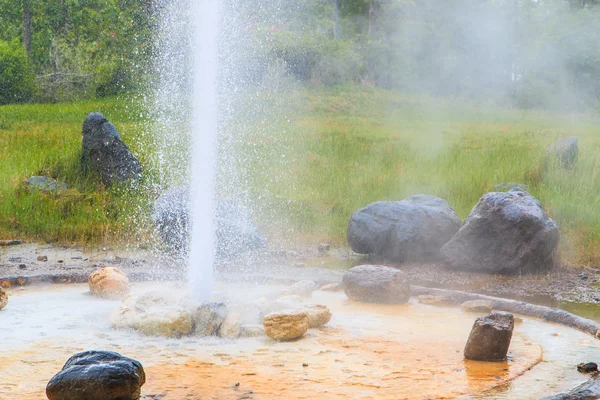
(205,17)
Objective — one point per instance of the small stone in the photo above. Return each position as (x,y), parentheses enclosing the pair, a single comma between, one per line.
(61,261)
(10,242)
(42,258)
(22,266)
(286,326)
(3,298)
(45,183)
(587,367)
(490,337)
(437,300)
(304,364)
(231,326)
(477,306)
(376,284)
(324,248)
(251,330)
(109,282)
(303,289)
(318,315)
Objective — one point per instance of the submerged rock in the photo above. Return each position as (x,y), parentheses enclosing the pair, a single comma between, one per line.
(318,315)
(376,284)
(286,326)
(103,151)
(432,300)
(3,298)
(44,183)
(109,282)
(506,233)
(97,375)
(564,152)
(490,337)
(235,231)
(413,229)
(477,306)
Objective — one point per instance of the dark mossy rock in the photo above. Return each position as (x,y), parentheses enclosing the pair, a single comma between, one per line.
(97,375)
(104,152)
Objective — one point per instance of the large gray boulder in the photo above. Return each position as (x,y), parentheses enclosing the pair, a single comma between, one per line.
(413,229)
(564,152)
(235,231)
(506,233)
(97,375)
(104,152)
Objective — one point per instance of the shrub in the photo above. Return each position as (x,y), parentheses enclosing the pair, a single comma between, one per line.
(16,75)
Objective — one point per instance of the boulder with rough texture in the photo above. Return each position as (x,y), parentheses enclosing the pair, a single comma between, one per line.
(104,152)
(231,326)
(286,326)
(109,282)
(154,314)
(208,318)
(490,337)
(44,183)
(564,151)
(413,229)
(506,233)
(235,231)
(3,298)
(376,284)
(477,306)
(318,315)
(97,375)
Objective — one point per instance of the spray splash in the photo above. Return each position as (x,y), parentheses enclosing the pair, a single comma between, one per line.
(205,27)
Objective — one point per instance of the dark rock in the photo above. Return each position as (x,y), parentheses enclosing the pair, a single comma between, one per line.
(589,390)
(22,266)
(97,375)
(324,248)
(42,258)
(506,233)
(413,229)
(564,151)
(506,186)
(44,183)
(4,243)
(490,337)
(587,367)
(376,284)
(235,231)
(104,152)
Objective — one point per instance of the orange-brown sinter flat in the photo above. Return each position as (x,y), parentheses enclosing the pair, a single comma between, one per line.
(366,352)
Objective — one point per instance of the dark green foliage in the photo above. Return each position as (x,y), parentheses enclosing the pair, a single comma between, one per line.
(16,75)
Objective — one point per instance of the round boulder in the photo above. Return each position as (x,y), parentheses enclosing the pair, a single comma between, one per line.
(97,375)
(376,284)
(413,229)
(286,326)
(318,315)
(506,233)
(109,282)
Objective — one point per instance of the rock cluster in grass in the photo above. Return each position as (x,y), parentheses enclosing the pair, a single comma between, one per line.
(506,233)
(104,152)
(97,375)
(413,229)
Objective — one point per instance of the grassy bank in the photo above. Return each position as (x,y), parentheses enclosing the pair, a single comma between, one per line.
(307,160)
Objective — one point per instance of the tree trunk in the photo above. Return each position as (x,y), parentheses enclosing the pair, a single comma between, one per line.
(27,28)
(336,19)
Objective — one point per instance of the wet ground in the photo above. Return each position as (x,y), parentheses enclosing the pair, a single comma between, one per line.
(410,351)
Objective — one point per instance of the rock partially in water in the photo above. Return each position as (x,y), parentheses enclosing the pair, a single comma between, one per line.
(413,229)
(303,289)
(477,306)
(109,282)
(439,301)
(506,233)
(376,284)
(97,375)
(103,151)
(154,314)
(318,315)
(587,367)
(286,325)
(45,184)
(208,318)
(231,326)
(3,298)
(490,337)
(251,330)
(564,152)
(235,232)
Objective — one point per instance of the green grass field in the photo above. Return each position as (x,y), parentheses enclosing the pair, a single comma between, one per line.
(307,159)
